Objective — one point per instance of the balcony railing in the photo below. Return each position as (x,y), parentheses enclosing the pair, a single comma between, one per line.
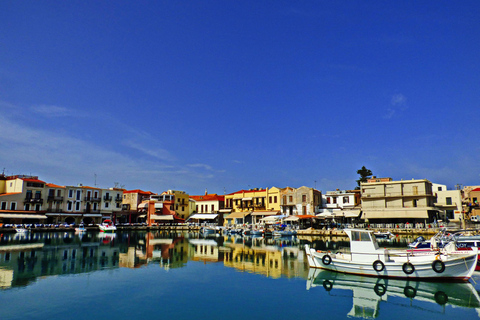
(54,198)
(107,198)
(118,199)
(93,199)
(397,194)
(33,200)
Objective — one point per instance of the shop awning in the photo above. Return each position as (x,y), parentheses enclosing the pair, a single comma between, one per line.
(203,216)
(272,218)
(247,199)
(351,213)
(264,213)
(225,210)
(166,217)
(234,215)
(291,218)
(93,215)
(142,205)
(22,216)
(63,214)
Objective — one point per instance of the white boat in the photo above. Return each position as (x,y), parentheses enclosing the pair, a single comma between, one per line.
(107,226)
(366,258)
(21,230)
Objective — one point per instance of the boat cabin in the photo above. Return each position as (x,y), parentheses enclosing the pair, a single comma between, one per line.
(363,245)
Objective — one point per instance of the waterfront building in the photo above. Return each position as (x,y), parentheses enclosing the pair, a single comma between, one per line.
(341,205)
(207,208)
(387,201)
(300,201)
(250,206)
(470,200)
(449,203)
(130,205)
(181,205)
(22,200)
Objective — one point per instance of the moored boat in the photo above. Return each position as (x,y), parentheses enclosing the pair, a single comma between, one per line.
(107,226)
(366,258)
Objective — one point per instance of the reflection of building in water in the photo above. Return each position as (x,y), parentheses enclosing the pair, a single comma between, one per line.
(168,252)
(206,250)
(21,264)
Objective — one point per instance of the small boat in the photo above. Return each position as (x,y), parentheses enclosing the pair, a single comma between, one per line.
(80,229)
(284,233)
(21,230)
(384,235)
(256,232)
(366,258)
(107,226)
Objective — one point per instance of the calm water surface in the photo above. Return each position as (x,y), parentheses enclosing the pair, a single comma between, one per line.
(182,276)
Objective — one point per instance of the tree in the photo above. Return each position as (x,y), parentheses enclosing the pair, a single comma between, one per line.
(364,175)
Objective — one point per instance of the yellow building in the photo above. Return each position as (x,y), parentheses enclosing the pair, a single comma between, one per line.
(249,206)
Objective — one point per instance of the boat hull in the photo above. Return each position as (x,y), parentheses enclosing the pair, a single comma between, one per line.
(459,267)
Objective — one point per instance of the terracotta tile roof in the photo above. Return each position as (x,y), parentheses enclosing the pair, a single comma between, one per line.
(54,185)
(138,191)
(9,194)
(32,180)
(476,189)
(247,191)
(87,187)
(208,197)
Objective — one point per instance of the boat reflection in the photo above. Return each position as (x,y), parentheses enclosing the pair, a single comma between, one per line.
(368,293)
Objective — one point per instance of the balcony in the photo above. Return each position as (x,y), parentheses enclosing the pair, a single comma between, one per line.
(33,200)
(54,198)
(92,199)
(118,199)
(397,194)
(107,198)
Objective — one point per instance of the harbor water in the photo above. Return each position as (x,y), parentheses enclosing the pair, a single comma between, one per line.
(134,275)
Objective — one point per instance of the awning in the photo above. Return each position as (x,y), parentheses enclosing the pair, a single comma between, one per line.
(351,213)
(291,218)
(142,216)
(225,210)
(93,215)
(247,199)
(264,213)
(271,218)
(162,217)
(234,215)
(63,214)
(203,216)
(142,205)
(23,216)
(306,216)
(398,214)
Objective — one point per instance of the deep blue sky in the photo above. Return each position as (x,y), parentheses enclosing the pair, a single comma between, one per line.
(230,95)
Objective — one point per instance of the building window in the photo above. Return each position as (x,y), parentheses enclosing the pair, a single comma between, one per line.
(29,194)
(27,206)
(69,205)
(304,198)
(13,206)
(269,199)
(77,206)
(439,188)
(213,208)
(4,205)
(79,194)
(449,200)
(334,199)
(290,198)
(415,203)
(345,199)
(106,204)
(38,207)
(275,199)
(70,193)
(328,200)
